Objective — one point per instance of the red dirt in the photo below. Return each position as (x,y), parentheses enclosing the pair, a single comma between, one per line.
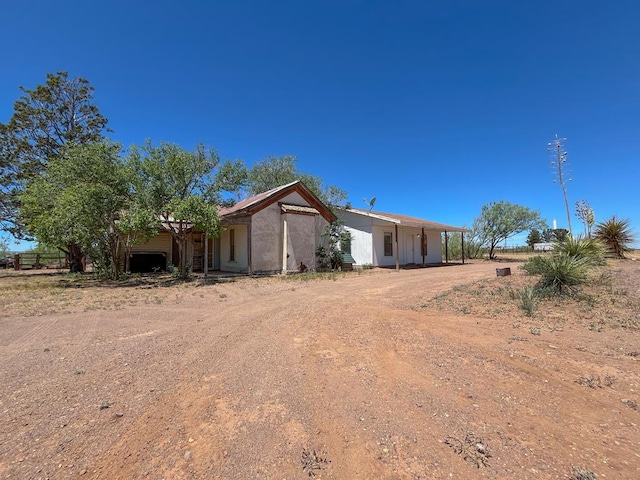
(360,377)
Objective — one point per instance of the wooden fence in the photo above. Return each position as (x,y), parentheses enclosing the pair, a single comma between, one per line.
(33,260)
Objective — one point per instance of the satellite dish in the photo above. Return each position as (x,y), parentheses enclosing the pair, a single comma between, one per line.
(370,202)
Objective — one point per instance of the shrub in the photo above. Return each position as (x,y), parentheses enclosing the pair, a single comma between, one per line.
(591,249)
(528,300)
(558,272)
(616,235)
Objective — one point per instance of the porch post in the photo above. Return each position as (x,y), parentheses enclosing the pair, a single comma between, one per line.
(446,247)
(397,252)
(284,243)
(423,244)
(206,255)
(249,246)
(462,247)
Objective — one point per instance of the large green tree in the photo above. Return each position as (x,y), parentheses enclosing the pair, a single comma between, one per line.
(46,119)
(180,188)
(499,221)
(78,202)
(274,171)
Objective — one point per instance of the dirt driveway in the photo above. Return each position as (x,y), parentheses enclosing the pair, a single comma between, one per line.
(353,378)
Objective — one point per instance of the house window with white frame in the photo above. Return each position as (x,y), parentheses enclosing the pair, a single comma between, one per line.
(388,244)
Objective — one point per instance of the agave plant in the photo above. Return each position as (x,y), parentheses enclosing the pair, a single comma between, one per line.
(562,273)
(591,249)
(616,235)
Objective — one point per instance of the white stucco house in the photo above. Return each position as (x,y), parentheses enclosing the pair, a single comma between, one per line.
(387,239)
(274,232)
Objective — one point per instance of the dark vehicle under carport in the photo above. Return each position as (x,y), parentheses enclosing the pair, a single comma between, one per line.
(146,262)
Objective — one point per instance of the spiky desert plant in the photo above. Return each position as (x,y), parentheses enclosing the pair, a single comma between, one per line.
(616,234)
(558,273)
(591,249)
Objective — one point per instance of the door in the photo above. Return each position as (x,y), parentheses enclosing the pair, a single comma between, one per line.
(409,249)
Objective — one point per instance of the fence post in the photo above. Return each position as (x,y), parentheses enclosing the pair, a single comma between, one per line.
(37,265)
(16,262)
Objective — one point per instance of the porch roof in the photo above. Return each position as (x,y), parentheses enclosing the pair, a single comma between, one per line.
(404,220)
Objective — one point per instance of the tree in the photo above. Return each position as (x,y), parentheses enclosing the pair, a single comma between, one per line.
(558,162)
(179,188)
(76,205)
(45,119)
(534,237)
(275,171)
(616,234)
(550,235)
(4,247)
(335,237)
(501,220)
(587,215)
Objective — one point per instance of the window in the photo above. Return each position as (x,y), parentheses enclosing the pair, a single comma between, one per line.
(388,244)
(232,245)
(345,245)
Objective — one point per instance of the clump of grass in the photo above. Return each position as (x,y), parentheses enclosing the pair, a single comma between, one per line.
(580,473)
(528,300)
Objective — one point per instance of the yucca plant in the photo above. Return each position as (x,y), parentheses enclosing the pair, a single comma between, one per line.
(616,235)
(591,249)
(559,273)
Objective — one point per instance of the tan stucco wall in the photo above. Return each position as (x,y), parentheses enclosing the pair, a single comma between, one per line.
(302,238)
(301,241)
(241,261)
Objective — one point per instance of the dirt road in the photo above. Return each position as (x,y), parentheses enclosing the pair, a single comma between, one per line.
(352,378)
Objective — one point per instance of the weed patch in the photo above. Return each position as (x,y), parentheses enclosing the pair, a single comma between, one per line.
(472,449)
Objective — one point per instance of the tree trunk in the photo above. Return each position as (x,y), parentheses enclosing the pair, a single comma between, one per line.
(74,254)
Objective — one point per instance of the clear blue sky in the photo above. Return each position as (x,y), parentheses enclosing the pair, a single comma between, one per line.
(434,107)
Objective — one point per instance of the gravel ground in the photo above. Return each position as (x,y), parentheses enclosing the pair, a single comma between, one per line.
(378,375)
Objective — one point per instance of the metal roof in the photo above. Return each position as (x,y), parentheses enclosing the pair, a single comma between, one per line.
(405,220)
(254,204)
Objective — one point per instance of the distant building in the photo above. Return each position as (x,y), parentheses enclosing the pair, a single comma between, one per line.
(543,247)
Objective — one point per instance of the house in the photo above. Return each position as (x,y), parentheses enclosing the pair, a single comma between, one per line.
(277,231)
(386,239)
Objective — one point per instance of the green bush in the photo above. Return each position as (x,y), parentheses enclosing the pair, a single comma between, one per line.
(558,272)
(616,235)
(528,300)
(590,249)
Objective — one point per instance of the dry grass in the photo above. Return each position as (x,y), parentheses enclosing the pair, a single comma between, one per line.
(606,301)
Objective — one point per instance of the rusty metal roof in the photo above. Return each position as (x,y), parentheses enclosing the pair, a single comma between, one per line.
(256,203)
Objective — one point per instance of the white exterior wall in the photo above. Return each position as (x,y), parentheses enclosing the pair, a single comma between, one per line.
(240,263)
(367,242)
(434,246)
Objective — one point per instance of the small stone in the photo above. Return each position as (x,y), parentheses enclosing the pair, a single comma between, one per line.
(191,440)
(119,414)
(83,472)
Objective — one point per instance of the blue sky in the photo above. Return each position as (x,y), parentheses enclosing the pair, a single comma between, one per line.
(433,107)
